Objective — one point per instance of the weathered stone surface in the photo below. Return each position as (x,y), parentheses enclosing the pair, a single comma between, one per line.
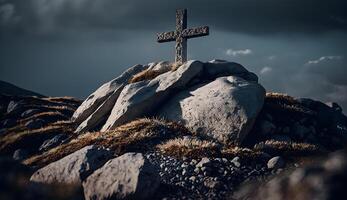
(74,168)
(53,142)
(142,98)
(275,163)
(218,68)
(224,109)
(98,105)
(129,176)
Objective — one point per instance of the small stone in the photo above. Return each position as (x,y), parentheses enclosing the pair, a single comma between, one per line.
(204,162)
(20,154)
(212,184)
(236,161)
(197,170)
(276,163)
(192,178)
(184,172)
(162,165)
(224,160)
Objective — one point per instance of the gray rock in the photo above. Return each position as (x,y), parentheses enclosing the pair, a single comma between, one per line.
(276,163)
(141,98)
(224,109)
(35,123)
(29,113)
(211,183)
(129,176)
(53,142)
(20,154)
(204,162)
(12,106)
(74,168)
(97,106)
(236,161)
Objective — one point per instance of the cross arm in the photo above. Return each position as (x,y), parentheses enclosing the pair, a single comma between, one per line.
(195,32)
(166,36)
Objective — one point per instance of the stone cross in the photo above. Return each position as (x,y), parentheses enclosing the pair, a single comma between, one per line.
(181,34)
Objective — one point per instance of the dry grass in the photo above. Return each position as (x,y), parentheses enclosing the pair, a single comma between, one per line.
(244,153)
(189,147)
(151,74)
(145,75)
(139,135)
(30,139)
(287,148)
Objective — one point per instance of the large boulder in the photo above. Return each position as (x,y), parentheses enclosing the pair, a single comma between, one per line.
(129,176)
(74,168)
(150,90)
(99,104)
(142,98)
(225,109)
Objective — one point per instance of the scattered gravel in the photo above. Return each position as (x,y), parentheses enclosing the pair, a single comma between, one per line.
(205,178)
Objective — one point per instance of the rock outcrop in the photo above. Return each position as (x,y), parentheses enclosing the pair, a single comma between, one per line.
(74,168)
(129,176)
(97,106)
(218,98)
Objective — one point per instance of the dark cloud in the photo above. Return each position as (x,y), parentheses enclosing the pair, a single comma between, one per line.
(246,16)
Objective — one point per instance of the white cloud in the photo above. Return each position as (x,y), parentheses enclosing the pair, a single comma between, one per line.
(265,70)
(323,58)
(231,52)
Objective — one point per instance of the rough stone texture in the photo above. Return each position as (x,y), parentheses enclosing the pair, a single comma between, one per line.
(53,142)
(142,98)
(224,109)
(181,34)
(129,176)
(276,162)
(217,68)
(74,168)
(98,105)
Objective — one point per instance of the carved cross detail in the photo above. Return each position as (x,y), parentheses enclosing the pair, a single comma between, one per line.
(181,34)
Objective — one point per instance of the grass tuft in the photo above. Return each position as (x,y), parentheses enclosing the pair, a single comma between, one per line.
(189,147)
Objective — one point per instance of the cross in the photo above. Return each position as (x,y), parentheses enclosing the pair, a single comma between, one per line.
(181,34)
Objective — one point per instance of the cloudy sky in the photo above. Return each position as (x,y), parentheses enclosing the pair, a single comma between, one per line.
(70,47)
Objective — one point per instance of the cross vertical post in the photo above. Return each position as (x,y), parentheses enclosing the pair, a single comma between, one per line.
(181,42)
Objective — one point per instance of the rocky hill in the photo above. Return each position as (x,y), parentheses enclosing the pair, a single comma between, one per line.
(163,131)
(10,89)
